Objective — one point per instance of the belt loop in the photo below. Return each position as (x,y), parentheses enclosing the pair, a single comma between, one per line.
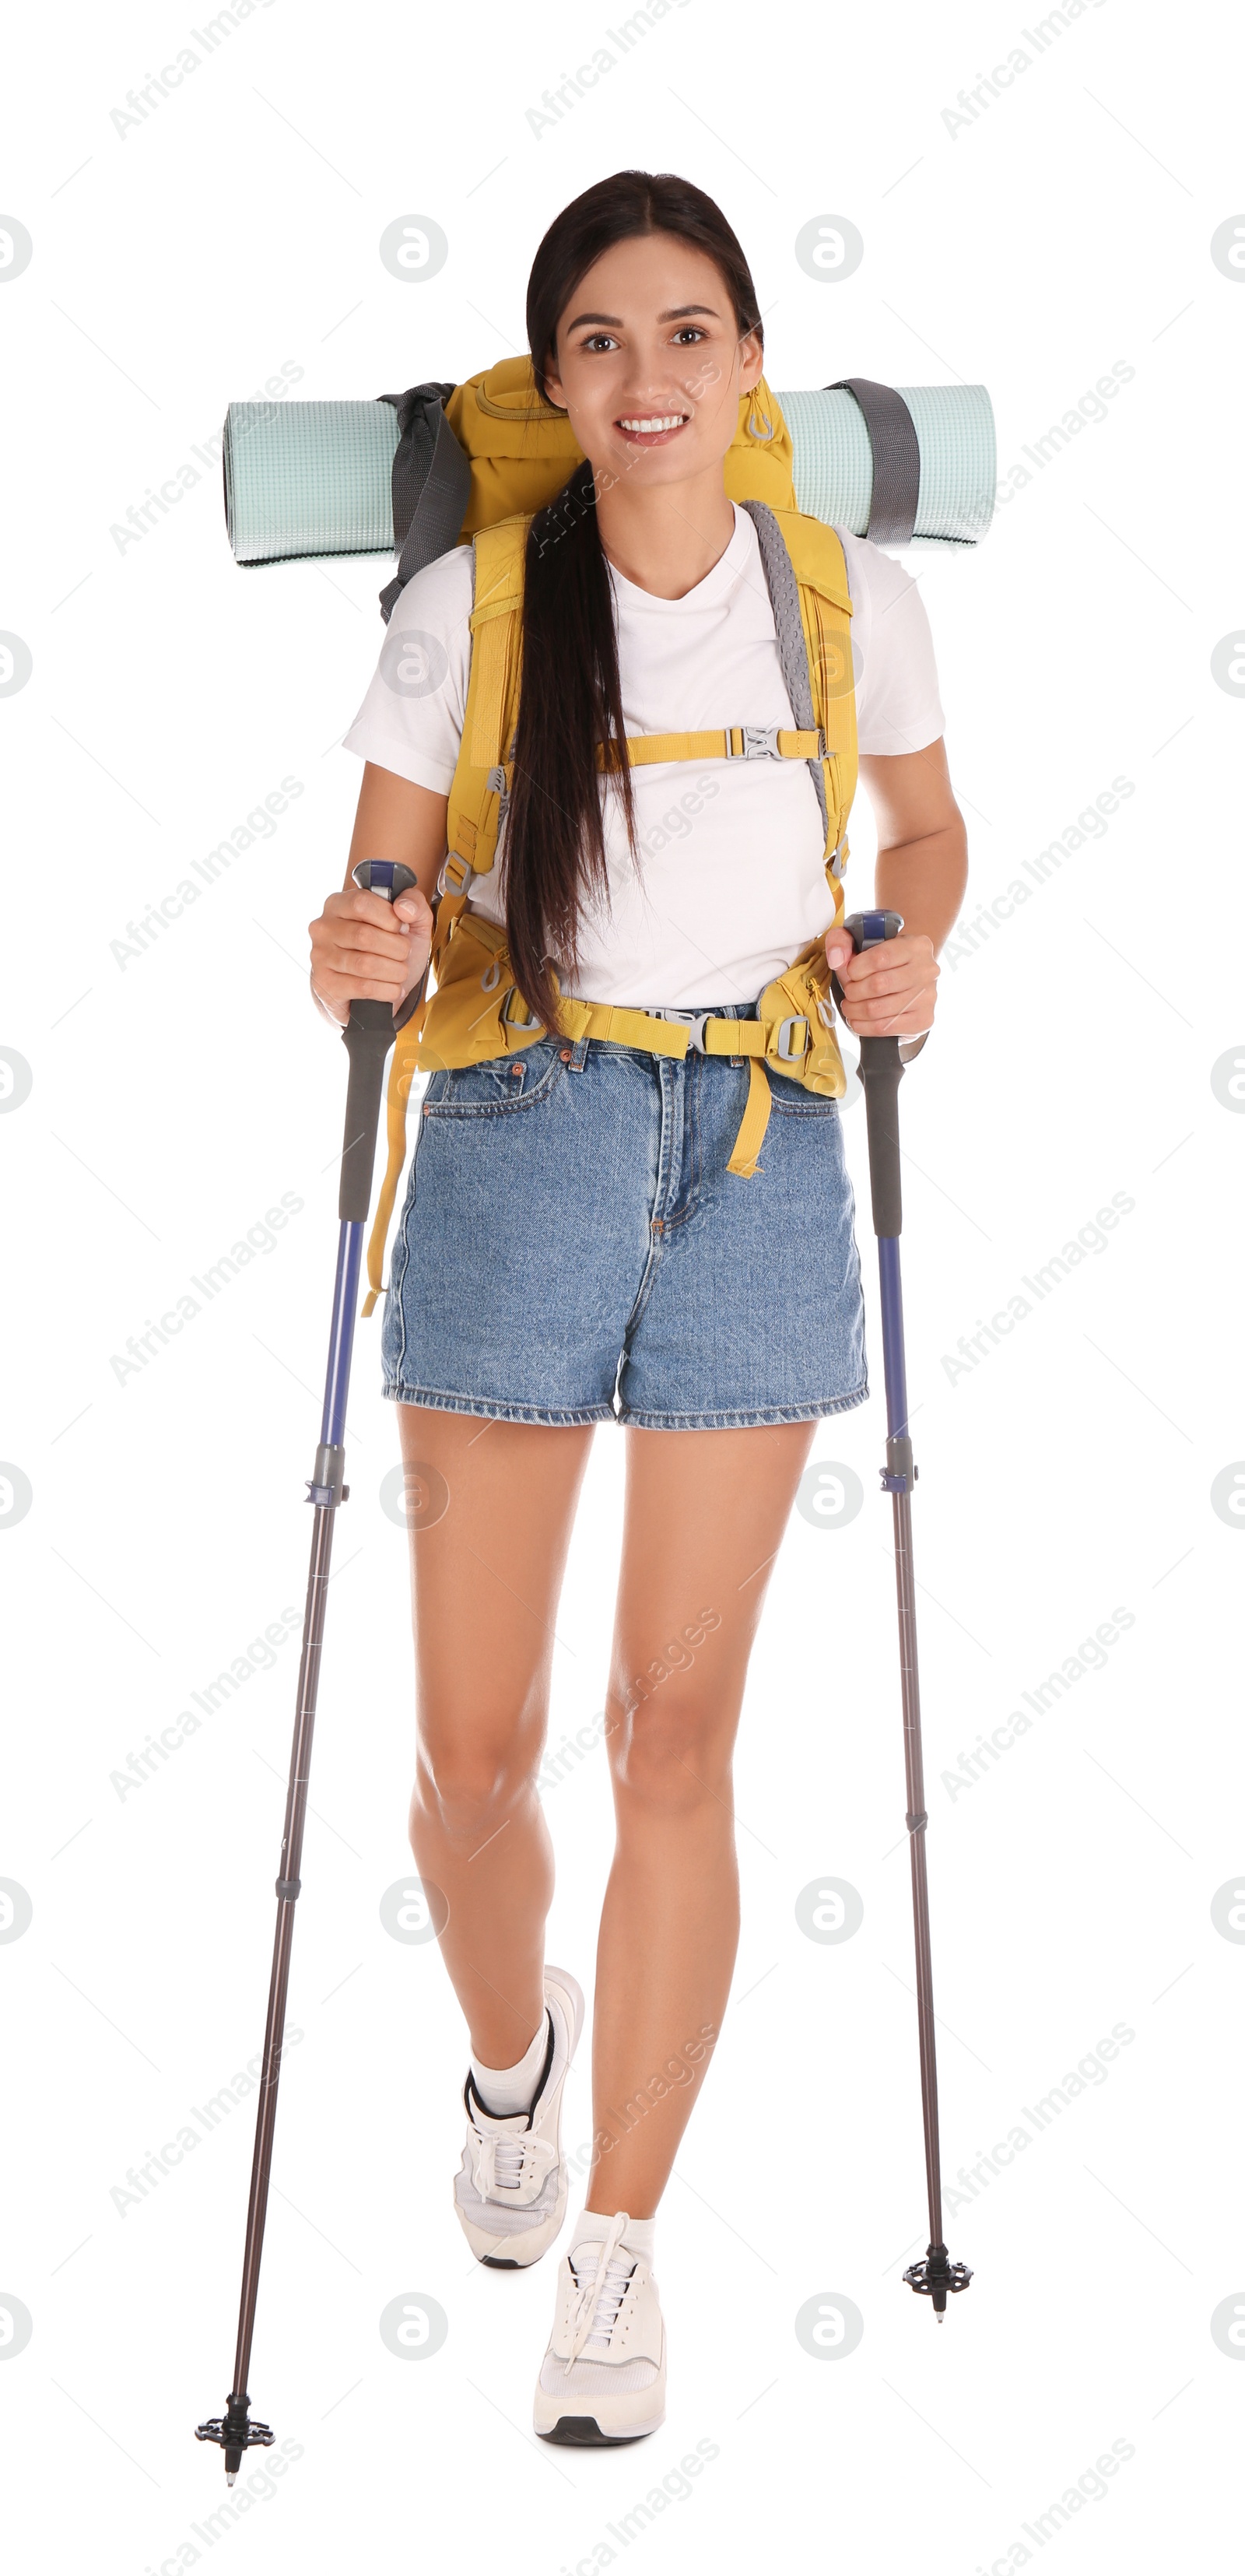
(579,1054)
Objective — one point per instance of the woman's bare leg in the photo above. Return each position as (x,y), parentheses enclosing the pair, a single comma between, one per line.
(485,1584)
(705,1514)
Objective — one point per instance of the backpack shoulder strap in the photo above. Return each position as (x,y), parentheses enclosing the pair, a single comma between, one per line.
(477,793)
(806,572)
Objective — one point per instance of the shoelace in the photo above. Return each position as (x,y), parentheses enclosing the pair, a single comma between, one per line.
(508,2163)
(601,2294)
(499,2160)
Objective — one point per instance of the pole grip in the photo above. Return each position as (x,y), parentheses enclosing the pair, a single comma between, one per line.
(881,1071)
(367,1037)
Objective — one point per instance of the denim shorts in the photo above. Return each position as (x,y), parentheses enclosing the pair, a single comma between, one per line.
(573,1249)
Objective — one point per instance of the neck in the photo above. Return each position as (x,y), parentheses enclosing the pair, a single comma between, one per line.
(668,538)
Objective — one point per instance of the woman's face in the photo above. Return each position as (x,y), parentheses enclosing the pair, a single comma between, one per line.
(649,366)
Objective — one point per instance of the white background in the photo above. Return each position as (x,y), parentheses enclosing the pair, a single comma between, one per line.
(1065,228)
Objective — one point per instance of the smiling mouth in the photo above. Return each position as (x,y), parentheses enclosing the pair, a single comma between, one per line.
(652,427)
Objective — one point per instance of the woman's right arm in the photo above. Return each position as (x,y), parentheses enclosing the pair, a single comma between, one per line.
(362,948)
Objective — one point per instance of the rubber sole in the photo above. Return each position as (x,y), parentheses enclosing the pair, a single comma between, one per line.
(585,2430)
(512,2262)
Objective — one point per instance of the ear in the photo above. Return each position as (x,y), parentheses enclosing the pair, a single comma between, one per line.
(553,386)
(751,361)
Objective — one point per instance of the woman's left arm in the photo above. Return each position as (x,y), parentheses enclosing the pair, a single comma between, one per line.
(922,870)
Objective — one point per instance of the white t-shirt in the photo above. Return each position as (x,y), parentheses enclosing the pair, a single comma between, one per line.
(731,883)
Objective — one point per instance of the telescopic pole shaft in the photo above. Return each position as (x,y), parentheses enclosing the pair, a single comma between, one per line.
(367,1036)
(329,1459)
(910,1687)
(881,1071)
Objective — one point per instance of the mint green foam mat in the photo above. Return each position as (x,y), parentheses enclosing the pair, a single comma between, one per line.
(313,478)
(833,466)
(309,478)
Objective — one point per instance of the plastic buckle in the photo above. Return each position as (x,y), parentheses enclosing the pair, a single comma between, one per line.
(759,742)
(788,1054)
(445,884)
(693,1022)
(506,1015)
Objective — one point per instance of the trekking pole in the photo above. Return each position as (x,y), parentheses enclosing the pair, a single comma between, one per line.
(881,1071)
(367,1037)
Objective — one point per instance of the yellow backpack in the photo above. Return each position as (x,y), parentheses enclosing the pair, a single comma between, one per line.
(520,456)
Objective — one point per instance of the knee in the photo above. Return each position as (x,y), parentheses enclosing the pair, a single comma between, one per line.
(471,1776)
(671,1753)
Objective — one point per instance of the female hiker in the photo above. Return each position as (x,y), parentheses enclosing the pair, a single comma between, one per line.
(591,1231)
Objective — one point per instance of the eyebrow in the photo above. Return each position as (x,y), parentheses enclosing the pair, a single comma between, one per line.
(677,313)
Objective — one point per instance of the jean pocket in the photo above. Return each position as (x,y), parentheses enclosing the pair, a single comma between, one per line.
(499,1087)
(792,1100)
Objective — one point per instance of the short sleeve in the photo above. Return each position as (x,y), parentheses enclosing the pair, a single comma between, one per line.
(898,708)
(412,717)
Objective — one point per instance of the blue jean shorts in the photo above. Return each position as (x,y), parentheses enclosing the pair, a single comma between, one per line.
(573,1249)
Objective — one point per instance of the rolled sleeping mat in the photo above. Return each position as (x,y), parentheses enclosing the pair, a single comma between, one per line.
(924,480)
(911,465)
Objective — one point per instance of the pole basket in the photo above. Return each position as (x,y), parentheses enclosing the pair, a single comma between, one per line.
(935,2275)
(235,2433)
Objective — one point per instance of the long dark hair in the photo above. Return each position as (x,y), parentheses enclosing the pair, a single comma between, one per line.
(570,697)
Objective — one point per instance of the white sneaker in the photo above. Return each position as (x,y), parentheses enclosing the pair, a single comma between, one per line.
(510,2192)
(603,2378)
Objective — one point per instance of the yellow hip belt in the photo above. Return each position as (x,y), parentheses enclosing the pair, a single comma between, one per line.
(477,1014)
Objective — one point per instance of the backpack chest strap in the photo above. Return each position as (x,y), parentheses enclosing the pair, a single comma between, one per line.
(645,751)
(722,742)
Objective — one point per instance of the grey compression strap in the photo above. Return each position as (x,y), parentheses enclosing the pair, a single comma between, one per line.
(896,459)
(431,485)
(789,629)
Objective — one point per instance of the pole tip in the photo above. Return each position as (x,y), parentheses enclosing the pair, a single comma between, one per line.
(230,2475)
